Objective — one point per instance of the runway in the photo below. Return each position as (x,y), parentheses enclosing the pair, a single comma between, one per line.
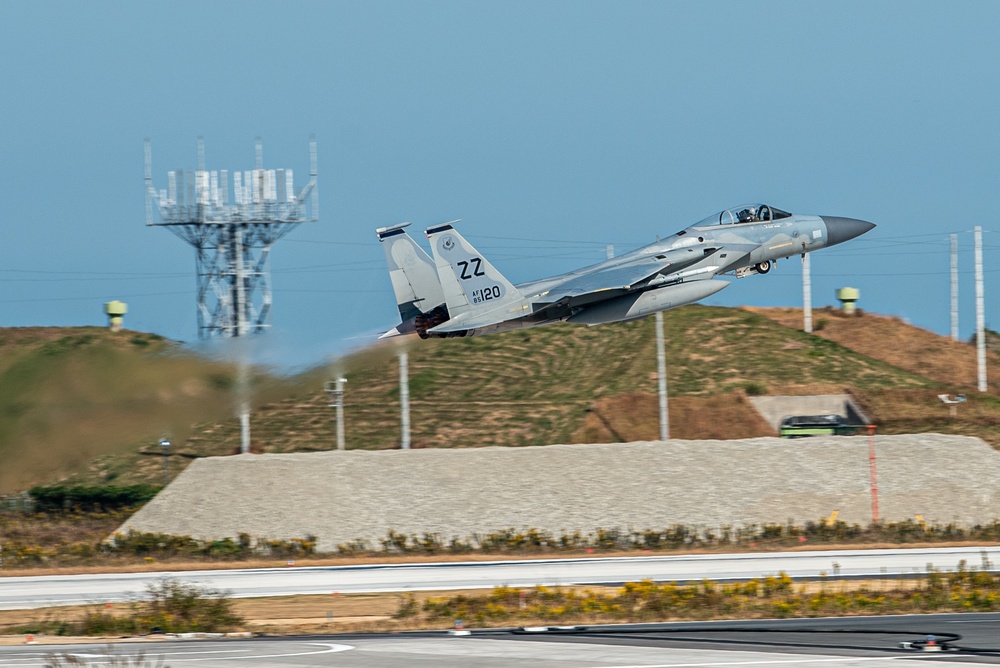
(43,591)
(869,642)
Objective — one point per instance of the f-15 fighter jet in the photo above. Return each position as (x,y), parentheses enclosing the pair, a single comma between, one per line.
(460,293)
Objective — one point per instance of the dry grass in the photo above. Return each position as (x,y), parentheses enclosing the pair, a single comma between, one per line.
(288,615)
(893,341)
(59,529)
(88,402)
(93,405)
(137,565)
(635,417)
(921,411)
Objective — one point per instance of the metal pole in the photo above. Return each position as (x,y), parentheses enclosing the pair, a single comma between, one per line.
(872,472)
(148,151)
(954,287)
(243,389)
(239,277)
(980,313)
(404,399)
(313,171)
(165,445)
(807,308)
(240,307)
(661,372)
(340,413)
(244,428)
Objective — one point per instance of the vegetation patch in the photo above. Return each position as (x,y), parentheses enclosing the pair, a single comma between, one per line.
(964,590)
(74,538)
(168,606)
(140,547)
(91,497)
(676,538)
(86,406)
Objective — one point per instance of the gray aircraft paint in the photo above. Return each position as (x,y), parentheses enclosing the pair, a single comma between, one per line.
(680,269)
(412,272)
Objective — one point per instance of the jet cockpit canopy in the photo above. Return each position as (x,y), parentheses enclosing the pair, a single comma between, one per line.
(745,213)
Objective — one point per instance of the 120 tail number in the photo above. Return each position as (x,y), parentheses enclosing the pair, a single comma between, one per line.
(486,294)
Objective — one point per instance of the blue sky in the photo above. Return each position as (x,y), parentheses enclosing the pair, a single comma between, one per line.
(550,128)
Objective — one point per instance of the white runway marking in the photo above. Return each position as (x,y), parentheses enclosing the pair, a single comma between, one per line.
(330,649)
(83,655)
(178,656)
(467,651)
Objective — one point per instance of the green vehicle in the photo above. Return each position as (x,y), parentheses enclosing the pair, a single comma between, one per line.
(799,426)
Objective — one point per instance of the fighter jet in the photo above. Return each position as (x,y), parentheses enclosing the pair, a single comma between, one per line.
(460,293)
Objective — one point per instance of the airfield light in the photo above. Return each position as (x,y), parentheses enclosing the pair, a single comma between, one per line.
(952,403)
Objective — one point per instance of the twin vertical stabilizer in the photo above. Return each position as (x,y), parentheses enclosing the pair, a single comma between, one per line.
(470,283)
(452,292)
(414,277)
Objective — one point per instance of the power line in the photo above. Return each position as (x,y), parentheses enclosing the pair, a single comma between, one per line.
(80,299)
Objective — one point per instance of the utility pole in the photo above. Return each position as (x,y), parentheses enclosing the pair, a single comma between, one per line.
(807,305)
(335,392)
(165,447)
(404,399)
(980,313)
(661,372)
(954,287)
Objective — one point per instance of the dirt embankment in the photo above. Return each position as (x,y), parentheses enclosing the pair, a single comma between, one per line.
(625,418)
(893,341)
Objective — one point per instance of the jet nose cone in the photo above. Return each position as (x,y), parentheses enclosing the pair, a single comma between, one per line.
(839,230)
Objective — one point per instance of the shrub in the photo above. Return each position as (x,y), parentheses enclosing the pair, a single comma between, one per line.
(111,657)
(107,497)
(178,607)
(773,596)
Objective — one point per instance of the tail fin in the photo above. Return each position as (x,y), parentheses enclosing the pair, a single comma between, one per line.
(470,283)
(414,277)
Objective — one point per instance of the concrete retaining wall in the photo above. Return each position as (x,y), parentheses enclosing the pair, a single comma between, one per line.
(341,496)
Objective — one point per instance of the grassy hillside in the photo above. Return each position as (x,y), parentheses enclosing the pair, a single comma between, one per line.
(70,395)
(547,385)
(559,384)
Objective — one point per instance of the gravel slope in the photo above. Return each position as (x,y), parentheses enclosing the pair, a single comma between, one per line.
(341,496)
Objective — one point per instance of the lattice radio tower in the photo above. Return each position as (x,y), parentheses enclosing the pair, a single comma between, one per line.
(232,239)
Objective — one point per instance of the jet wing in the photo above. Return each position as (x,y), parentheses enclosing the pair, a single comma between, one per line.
(604,282)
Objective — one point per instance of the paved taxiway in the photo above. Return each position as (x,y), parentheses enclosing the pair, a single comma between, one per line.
(839,643)
(43,591)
